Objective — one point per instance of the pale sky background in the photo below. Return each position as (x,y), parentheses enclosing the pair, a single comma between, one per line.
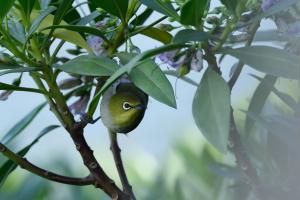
(149,142)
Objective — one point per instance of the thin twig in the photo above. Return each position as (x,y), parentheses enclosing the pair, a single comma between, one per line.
(116,151)
(240,65)
(25,164)
(101,179)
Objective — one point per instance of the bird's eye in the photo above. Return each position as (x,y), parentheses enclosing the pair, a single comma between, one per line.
(126,106)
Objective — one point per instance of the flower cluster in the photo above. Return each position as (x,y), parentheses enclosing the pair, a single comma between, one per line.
(191,59)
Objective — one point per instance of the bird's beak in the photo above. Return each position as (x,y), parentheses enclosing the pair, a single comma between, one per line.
(140,107)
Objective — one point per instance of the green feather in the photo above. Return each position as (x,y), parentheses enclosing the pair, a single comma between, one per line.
(113,114)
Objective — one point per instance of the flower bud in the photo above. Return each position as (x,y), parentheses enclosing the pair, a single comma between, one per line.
(69,83)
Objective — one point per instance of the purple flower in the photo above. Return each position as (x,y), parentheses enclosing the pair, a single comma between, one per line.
(266,4)
(170,58)
(96,44)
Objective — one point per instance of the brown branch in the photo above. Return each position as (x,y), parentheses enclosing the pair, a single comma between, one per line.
(116,151)
(25,164)
(101,179)
(234,141)
(76,130)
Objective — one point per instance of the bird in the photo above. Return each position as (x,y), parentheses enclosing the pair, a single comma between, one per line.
(122,107)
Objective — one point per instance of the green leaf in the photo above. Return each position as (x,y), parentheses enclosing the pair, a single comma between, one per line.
(184,78)
(161,6)
(19,70)
(22,124)
(258,99)
(211,109)
(44,4)
(226,171)
(90,66)
(87,19)
(37,21)
(140,20)
(158,35)
(269,36)
(8,66)
(64,6)
(80,29)
(188,35)
(69,36)
(230,4)
(283,96)
(149,77)
(4,86)
(192,12)
(27,6)
(114,7)
(126,70)
(17,31)
(5,7)
(284,127)
(9,166)
(270,60)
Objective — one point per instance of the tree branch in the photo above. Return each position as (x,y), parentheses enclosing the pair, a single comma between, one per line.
(25,164)
(116,151)
(101,179)
(234,141)
(240,65)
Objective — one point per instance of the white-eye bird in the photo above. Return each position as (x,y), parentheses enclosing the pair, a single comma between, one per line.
(123,107)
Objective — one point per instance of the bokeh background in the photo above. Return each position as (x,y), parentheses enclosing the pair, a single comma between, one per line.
(166,156)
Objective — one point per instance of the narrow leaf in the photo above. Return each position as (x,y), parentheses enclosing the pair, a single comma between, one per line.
(184,78)
(27,6)
(22,124)
(69,36)
(259,99)
(149,77)
(158,35)
(189,35)
(270,60)
(114,7)
(140,19)
(283,96)
(230,4)
(17,31)
(80,29)
(5,7)
(9,166)
(211,109)
(192,12)
(4,86)
(64,6)
(87,19)
(161,6)
(19,70)
(36,23)
(90,66)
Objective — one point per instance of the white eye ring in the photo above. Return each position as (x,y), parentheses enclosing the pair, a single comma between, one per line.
(126,106)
